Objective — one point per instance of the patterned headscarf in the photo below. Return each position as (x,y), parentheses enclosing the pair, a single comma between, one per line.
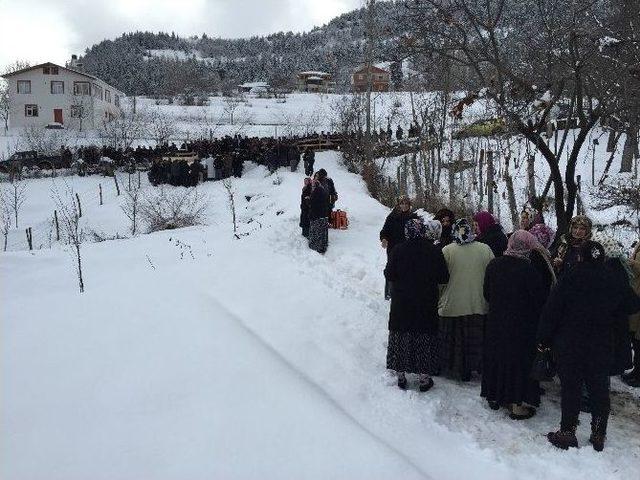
(520,244)
(433,230)
(581,220)
(613,249)
(462,232)
(543,233)
(414,228)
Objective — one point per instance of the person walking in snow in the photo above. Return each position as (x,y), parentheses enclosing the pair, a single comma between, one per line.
(329,186)
(462,307)
(566,254)
(318,221)
(305,199)
(515,293)
(393,233)
(415,267)
(578,322)
(309,159)
(489,231)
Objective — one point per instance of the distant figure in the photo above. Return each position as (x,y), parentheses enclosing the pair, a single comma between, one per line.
(399,133)
(309,159)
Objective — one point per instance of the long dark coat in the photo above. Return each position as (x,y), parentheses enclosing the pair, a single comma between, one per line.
(416,268)
(304,208)
(515,292)
(582,314)
(393,228)
(318,203)
(495,237)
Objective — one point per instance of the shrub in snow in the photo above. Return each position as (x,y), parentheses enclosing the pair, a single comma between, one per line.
(167,208)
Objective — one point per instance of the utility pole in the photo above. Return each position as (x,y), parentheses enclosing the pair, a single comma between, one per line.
(368,64)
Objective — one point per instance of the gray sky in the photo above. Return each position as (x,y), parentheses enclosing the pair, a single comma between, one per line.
(51,30)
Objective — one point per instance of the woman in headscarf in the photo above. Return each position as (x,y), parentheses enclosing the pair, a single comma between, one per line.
(514,290)
(566,255)
(318,221)
(392,232)
(305,198)
(490,232)
(540,256)
(416,267)
(446,218)
(462,306)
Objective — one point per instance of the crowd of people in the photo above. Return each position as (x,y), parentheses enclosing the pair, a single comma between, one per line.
(468,299)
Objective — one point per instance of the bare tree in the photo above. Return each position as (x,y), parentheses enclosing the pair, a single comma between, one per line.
(231,104)
(160,127)
(547,67)
(228,186)
(81,108)
(131,207)
(122,132)
(5,219)
(166,209)
(5,105)
(69,216)
(42,140)
(14,197)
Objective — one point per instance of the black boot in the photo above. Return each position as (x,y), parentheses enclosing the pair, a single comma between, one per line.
(598,433)
(402,381)
(563,439)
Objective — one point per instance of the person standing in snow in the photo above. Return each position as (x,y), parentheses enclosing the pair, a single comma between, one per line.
(633,378)
(399,133)
(393,231)
(566,254)
(329,186)
(318,221)
(309,159)
(446,218)
(305,199)
(416,267)
(578,322)
(515,293)
(489,231)
(462,306)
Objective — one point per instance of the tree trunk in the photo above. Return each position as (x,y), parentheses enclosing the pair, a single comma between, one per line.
(513,207)
(417,181)
(490,181)
(531,177)
(630,150)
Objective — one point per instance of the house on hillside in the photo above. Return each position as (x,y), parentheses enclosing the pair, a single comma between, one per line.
(254,87)
(315,81)
(380,79)
(52,95)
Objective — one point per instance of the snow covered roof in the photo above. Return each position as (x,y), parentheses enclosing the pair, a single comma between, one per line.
(314,73)
(254,85)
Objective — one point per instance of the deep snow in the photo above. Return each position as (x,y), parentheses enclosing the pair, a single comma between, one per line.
(193,355)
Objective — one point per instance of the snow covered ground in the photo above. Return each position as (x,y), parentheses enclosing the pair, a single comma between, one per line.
(193,354)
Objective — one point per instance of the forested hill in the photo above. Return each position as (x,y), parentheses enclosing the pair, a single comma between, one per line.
(166,64)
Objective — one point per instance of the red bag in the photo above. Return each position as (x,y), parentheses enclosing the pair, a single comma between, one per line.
(342,223)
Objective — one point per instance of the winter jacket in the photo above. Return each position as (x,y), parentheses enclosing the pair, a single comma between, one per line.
(581,316)
(495,237)
(416,267)
(393,228)
(318,203)
(305,201)
(463,294)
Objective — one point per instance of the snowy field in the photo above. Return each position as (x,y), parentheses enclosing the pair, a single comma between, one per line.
(193,355)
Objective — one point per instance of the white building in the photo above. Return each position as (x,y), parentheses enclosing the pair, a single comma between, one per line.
(50,94)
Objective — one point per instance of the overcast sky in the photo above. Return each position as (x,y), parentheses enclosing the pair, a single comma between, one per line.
(51,30)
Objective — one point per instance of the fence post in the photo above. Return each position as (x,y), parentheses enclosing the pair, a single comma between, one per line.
(79,205)
(55,219)
(29,238)
(100,189)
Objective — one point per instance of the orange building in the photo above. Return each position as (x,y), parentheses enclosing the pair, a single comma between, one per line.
(380,79)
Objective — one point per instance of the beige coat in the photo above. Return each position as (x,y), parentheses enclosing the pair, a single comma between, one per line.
(463,295)
(634,262)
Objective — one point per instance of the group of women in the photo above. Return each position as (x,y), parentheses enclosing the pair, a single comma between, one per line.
(467,299)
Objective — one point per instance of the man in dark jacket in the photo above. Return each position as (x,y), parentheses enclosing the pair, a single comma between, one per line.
(446,218)
(392,232)
(579,321)
(309,159)
(330,188)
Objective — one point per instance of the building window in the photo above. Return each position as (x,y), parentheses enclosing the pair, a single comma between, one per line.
(24,86)
(116,100)
(107,96)
(81,88)
(97,92)
(31,110)
(57,87)
(50,70)
(76,111)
